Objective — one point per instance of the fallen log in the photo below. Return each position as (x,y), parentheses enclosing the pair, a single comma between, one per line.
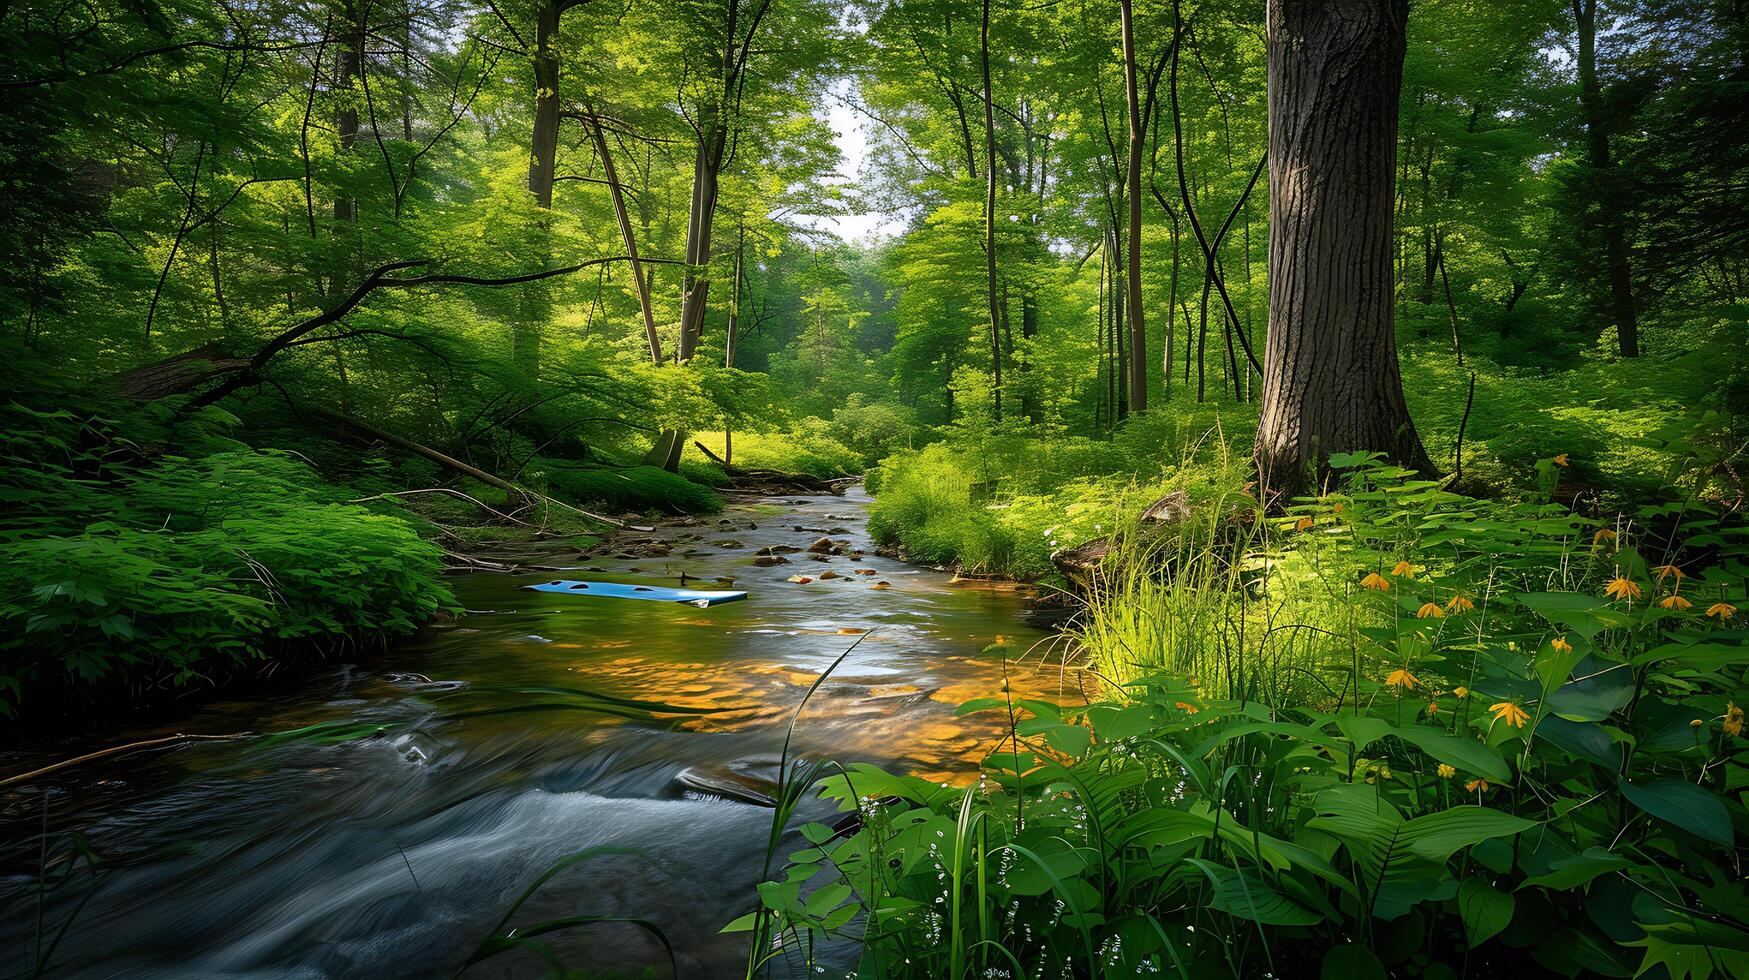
(773,479)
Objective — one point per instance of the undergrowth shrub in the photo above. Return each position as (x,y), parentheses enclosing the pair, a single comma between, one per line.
(623,488)
(125,570)
(809,445)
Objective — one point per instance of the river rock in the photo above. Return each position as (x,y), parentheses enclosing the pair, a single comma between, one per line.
(732,782)
(822,547)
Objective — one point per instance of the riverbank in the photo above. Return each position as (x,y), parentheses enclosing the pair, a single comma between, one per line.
(394,854)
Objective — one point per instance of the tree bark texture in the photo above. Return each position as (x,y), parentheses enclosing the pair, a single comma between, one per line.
(1331,382)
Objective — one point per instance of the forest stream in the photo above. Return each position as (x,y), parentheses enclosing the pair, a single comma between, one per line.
(396,854)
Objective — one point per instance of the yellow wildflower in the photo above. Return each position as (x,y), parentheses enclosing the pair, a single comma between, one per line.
(1459,604)
(1402,569)
(1733,719)
(1510,713)
(1561,645)
(1674,601)
(1721,611)
(1445,771)
(1374,580)
(1336,509)
(1432,708)
(1186,707)
(1477,786)
(1561,460)
(1303,523)
(1402,679)
(1621,587)
(1603,534)
(1430,610)
(1665,571)
(1461,692)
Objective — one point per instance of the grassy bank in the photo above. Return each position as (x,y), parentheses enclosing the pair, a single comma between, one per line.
(1002,498)
(1394,732)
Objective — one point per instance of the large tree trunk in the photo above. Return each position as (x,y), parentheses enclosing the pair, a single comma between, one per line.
(1615,243)
(990,215)
(1138,352)
(1331,382)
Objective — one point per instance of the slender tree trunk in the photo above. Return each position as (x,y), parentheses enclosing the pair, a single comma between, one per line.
(625,232)
(544,154)
(534,302)
(1331,381)
(1138,338)
(729,335)
(349,72)
(1615,243)
(990,213)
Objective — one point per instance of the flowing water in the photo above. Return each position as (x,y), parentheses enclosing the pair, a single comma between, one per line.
(394,855)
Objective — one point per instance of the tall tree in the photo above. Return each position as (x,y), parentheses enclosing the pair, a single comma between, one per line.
(1607,213)
(1331,381)
(1138,353)
(990,214)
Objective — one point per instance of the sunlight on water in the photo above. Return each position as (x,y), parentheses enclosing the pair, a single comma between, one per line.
(394,855)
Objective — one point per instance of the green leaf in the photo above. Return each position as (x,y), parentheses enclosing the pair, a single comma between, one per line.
(1570,873)
(1462,753)
(1684,805)
(1583,614)
(1351,962)
(1250,897)
(1437,836)
(1485,910)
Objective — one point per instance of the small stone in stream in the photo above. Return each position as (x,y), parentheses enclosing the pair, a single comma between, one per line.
(727,543)
(723,580)
(766,561)
(726,522)
(882,585)
(730,784)
(800,579)
(819,557)
(778,549)
(838,530)
(865,571)
(752,526)
(828,574)
(822,546)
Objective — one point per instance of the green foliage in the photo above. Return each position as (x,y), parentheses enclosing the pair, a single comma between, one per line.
(1504,762)
(1004,500)
(624,488)
(122,571)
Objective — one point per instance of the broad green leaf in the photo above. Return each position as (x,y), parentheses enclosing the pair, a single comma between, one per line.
(1462,753)
(1570,873)
(1684,805)
(1249,897)
(1351,962)
(1486,910)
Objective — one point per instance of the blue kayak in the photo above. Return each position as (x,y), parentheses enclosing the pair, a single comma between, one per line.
(616,590)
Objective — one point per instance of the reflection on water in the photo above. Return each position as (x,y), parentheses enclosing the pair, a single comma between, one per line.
(393,856)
